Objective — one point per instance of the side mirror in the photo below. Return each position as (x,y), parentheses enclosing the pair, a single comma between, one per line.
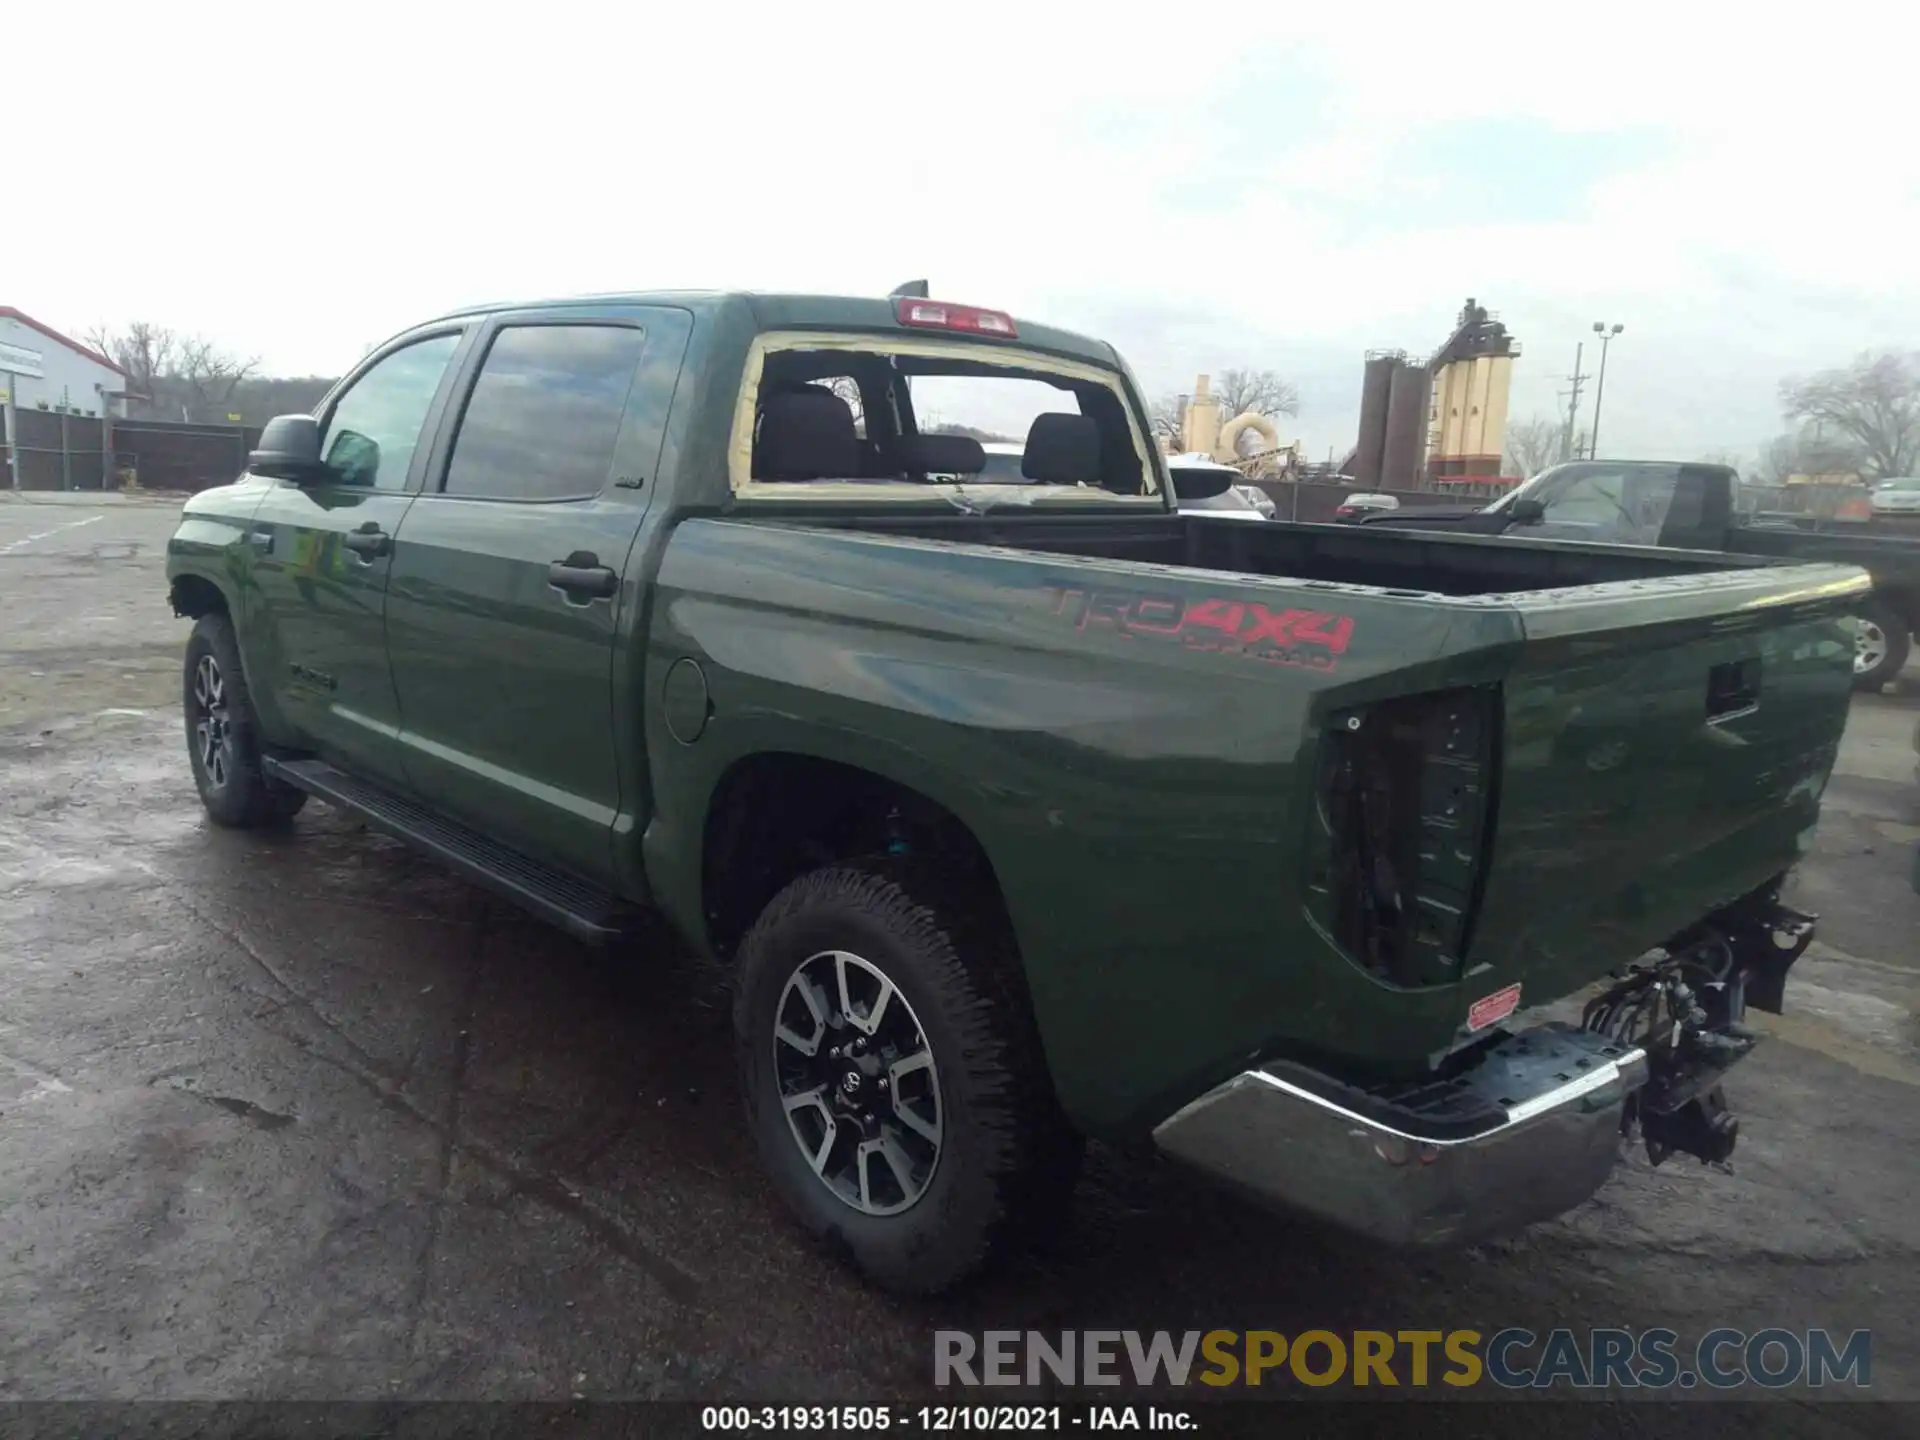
(1527,512)
(1201,482)
(289,450)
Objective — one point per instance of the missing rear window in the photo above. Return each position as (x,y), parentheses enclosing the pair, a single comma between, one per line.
(914,413)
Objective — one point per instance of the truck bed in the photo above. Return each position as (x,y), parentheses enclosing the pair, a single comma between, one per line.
(1892,558)
(1449,564)
(1332,785)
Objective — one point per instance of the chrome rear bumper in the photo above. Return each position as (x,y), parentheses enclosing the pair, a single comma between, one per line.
(1529,1133)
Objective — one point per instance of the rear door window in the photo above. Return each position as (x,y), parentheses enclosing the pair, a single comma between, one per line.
(545,413)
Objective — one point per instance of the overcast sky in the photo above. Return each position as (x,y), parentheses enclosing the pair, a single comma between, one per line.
(1203,186)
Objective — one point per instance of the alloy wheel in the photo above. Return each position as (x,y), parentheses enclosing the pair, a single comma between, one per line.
(1869,646)
(858,1082)
(212,726)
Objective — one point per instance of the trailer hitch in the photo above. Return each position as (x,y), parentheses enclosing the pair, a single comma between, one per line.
(1683,1004)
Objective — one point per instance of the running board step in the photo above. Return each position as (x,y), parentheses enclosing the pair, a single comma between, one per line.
(577,906)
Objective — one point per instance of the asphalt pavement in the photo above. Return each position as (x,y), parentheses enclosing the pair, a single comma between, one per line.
(303,1117)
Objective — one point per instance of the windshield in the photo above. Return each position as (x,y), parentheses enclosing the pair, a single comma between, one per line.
(897,416)
(1901,483)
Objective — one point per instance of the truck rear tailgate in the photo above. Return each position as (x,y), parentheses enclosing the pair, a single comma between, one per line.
(1663,748)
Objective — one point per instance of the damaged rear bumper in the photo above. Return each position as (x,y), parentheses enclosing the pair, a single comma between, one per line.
(1527,1134)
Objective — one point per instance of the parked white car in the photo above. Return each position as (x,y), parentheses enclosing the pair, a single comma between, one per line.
(1259,499)
(1239,501)
(1897,495)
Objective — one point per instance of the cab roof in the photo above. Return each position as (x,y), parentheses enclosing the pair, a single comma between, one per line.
(806,312)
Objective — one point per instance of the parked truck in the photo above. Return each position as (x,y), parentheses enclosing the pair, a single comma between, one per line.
(687,605)
(1692,507)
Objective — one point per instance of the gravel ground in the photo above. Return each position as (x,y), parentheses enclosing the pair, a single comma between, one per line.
(304,1117)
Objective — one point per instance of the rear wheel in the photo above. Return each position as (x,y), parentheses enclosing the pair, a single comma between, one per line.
(1880,645)
(223,734)
(893,1078)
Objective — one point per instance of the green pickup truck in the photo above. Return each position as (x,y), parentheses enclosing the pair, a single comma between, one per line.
(1692,507)
(1028,810)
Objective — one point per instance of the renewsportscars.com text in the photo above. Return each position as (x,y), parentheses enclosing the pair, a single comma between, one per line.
(1513,1358)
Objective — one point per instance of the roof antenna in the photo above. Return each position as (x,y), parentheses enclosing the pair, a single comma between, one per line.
(912,290)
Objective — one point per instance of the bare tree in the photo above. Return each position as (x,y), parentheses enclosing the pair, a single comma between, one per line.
(1778,460)
(209,377)
(1874,404)
(179,377)
(1533,445)
(1261,391)
(1167,414)
(145,351)
(1808,451)
(848,389)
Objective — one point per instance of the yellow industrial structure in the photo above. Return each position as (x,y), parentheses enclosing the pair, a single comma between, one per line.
(1472,374)
(1202,432)
(1440,422)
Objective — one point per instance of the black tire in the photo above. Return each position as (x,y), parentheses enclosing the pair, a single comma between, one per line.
(1895,642)
(223,733)
(1006,1159)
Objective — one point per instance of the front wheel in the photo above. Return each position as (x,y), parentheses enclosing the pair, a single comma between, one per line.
(223,735)
(1880,645)
(892,1075)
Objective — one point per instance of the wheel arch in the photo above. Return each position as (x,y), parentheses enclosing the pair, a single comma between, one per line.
(193,595)
(773,815)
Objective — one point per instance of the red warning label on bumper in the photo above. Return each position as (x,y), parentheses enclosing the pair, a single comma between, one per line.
(1489,1008)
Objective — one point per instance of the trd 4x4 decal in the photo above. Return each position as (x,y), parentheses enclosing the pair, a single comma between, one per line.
(1314,639)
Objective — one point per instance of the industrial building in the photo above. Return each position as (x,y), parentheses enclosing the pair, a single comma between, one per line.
(1231,439)
(1440,421)
(42,369)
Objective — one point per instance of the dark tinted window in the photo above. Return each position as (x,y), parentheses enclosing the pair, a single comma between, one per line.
(375,426)
(545,413)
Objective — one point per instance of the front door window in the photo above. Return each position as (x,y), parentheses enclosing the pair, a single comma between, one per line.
(1624,506)
(375,427)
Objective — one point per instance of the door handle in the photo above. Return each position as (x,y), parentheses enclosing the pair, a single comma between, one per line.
(368,540)
(582,577)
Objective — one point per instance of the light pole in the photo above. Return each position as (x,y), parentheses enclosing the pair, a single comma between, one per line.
(1600,386)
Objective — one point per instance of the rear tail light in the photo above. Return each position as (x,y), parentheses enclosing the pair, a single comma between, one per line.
(1404,819)
(939,315)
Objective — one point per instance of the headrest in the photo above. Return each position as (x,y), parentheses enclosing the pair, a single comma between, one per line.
(1062,450)
(943,454)
(806,433)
